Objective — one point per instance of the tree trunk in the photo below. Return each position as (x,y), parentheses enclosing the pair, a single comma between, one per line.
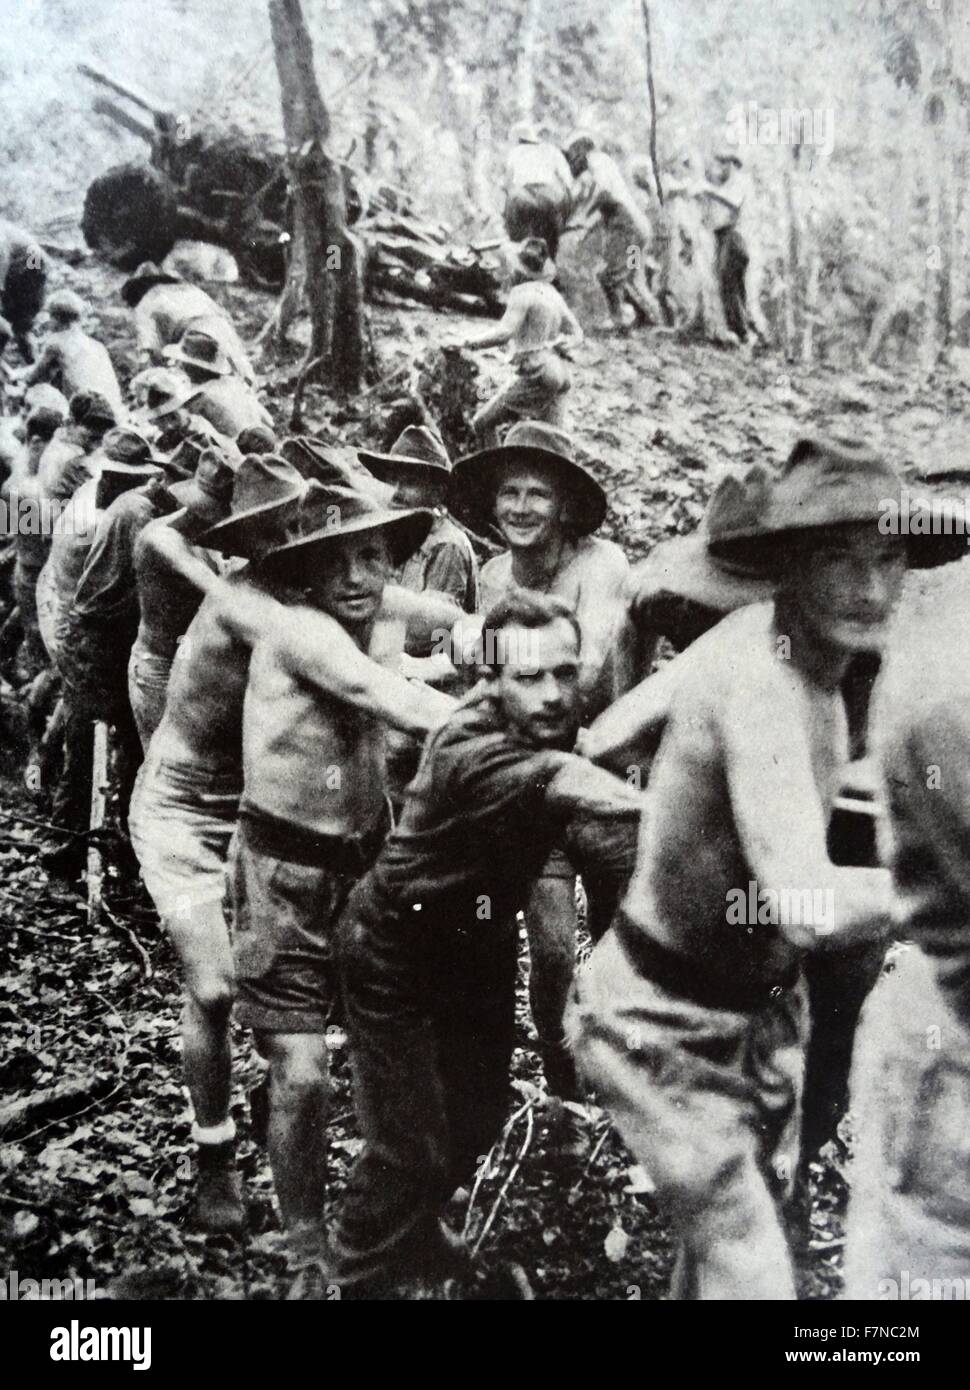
(326,263)
(525,81)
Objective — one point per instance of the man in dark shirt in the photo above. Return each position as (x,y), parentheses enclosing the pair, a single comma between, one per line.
(100,623)
(427,943)
(419,470)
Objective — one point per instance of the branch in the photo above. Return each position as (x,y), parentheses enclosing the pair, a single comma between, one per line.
(652,95)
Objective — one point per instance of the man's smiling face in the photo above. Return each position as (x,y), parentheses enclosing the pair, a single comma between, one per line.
(529,506)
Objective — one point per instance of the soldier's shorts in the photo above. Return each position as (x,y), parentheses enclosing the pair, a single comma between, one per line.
(537,392)
(908,1224)
(181,821)
(707,1100)
(148,677)
(288,889)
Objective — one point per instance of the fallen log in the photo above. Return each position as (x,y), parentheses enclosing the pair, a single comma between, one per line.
(53,1103)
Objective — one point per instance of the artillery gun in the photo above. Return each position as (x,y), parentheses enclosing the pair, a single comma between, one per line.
(230,187)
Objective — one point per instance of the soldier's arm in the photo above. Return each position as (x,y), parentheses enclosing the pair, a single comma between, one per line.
(168,545)
(579,786)
(146,332)
(429,616)
(639,714)
(571,327)
(781,823)
(506,329)
(44,368)
(601,610)
(314,647)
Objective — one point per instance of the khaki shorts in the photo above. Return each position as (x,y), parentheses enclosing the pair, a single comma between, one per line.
(537,392)
(909,1208)
(707,1099)
(282,921)
(181,821)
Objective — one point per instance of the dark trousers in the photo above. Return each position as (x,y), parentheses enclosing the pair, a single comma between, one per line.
(533,212)
(430,1006)
(732,265)
(71,806)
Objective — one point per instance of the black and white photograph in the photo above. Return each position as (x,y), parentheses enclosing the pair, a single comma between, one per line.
(484,663)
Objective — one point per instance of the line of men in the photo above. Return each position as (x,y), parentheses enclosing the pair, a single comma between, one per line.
(262,612)
(579,187)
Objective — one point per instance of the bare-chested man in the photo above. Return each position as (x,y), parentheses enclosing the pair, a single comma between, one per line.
(171,576)
(222,397)
(908,1222)
(315,808)
(610,203)
(72,360)
(185,808)
(690,1019)
(547,507)
(541,328)
(164,306)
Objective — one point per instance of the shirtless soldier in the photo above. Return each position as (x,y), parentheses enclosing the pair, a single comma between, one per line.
(184,811)
(540,328)
(690,1019)
(72,360)
(315,807)
(172,574)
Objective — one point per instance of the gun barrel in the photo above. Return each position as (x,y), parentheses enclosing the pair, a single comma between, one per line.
(103,80)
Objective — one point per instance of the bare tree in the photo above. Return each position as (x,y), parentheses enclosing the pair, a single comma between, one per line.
(326,260)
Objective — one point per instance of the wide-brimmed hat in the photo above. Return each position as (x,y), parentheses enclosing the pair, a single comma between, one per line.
(196,348)
(328,512)
(257,439)
(684,567)
(265,491)
(208,493)
(90,408)
(825,483)
(115,479)
(476,477)
(65,304)
(167,391)
(125,445)
(145,277)
(325,463)
(43,394)
(416,451)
